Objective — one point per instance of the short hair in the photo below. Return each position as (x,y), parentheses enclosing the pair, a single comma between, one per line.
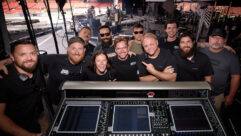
(151,35)
(120,39)
(104,26)
(19,42)
(85,27)
(76,39)
(187,34)
(138,25)
(92,66)
(170,22)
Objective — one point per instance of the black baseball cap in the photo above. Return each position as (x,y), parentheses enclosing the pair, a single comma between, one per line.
(218,32)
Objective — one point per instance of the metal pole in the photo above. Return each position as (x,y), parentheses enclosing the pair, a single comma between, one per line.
(52,26)
(27,17)
(66,33)
(73,17)
(8,5)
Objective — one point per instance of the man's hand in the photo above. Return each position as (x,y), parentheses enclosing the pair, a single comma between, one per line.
(4,69)
(30,134)
(113,80)
(149,67)
(229,49)
(131,53)
(169,69)
(111,54)
(228,100)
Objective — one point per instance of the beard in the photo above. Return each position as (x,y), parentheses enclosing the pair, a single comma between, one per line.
(106,44)
(28,69)
(216,46)
(187,53)
(75,60)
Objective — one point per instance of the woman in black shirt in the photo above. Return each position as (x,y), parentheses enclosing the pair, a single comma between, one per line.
(100,68)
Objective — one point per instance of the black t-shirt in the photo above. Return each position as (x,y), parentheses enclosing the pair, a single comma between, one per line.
(171,46)
(107,50)
(59,70)
(194,70)
(164,59)
(22,99)
(89,49)
(92,76)
(126,70)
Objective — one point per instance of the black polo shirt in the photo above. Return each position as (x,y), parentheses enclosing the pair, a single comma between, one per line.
(22,99)
(126,70)
(194,70)
(89,49)
(59,70)
(171,46)
(164,59)
(92,76)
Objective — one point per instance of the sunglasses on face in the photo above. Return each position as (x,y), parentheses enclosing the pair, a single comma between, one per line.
(138,32)
(104,34)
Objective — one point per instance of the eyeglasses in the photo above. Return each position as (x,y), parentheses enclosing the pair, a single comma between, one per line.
(124,48)
(138,32)
(104,34)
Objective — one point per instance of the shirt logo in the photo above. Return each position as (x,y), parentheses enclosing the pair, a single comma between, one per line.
(64,72)
(195,68)
(133,63)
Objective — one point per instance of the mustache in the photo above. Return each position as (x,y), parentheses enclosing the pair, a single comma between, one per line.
(28,61)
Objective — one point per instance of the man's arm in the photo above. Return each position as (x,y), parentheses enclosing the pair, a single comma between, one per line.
(208,79)
(206,44)
(7,125)
(234,85)
(165,76)
(3,67)
(148,78)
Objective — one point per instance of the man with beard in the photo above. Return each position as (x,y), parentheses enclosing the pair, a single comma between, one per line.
(225,65)
(135,44)
(20,97)
(171,41)
(157,64)
(192,65)
(85,33)
(124,64)
(61,68)
(106,41)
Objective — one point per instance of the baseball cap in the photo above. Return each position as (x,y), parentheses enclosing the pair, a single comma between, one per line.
(218,32)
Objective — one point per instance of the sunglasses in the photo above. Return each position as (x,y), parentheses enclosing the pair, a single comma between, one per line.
(138,32)
(104,34)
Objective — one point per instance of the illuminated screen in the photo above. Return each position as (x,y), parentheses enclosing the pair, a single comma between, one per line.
(190,118)
(131,119)
(81,119)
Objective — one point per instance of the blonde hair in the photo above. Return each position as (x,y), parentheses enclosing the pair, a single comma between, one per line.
(149,35)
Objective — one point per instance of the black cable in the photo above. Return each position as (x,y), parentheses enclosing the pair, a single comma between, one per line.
(66,33)
(27,17)
(72,17)
(46,3)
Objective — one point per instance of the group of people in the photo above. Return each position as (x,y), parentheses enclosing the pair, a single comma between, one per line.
(145,58)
